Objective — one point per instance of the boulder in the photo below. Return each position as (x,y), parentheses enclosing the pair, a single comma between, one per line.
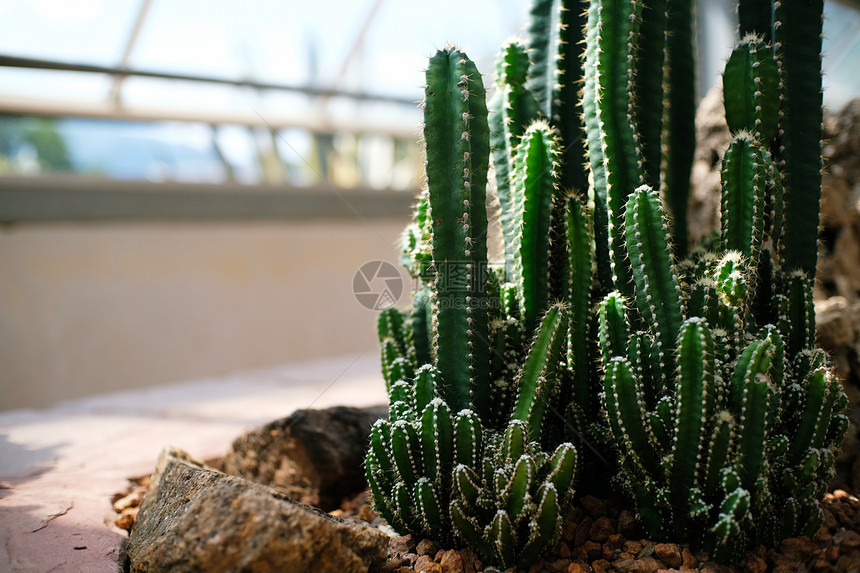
(314,457)
(196,519)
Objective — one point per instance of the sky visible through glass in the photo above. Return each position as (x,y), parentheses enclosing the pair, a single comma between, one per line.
(374,46)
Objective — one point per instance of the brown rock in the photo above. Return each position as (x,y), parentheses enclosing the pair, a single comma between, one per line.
(755,564)
(568,534)
(314,457)
(669,554)
(601,529)
(425,564)
(558,565)
(643,565)
(594,506)
(469,561)
(196,519)
(688,559)
(616,541)
(847,540)
(627,525)
(426,547)
(632,547)
(583,531)
(562,550)
(127,518)
(579,567)
(799,549)
(601,566)
(451,562)
(593,550)
(848,563)
(402,545)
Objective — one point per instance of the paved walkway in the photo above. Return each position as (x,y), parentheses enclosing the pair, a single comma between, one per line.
(60,466)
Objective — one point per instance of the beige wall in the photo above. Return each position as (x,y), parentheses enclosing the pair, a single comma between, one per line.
(90,308)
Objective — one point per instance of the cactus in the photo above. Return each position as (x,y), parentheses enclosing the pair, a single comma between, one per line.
(698,377)
(474,392)
(721,454)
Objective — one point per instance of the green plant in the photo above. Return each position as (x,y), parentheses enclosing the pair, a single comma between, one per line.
(462,456)
(725,415)
(700,373)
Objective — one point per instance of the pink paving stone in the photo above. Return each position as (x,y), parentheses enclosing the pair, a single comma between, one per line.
(60,466)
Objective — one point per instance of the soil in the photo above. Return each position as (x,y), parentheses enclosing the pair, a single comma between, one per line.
(601,536)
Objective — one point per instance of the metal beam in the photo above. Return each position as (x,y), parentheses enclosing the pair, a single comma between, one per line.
(130,44)
(311,122)
(39,64)
(34,199)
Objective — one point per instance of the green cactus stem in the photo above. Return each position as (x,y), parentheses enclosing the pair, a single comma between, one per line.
(658,295)
(538,380)
(534,181)
(457,146)
(751,90)
(608,109)
(680,125)
(744,179)
(555,33)
(649,87)
(797,42)
(512,109)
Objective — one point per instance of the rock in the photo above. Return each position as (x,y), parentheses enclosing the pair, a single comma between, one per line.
(314,457)
(579,567)
(669,554)
(799,549)
(451,562)
(594,506)
(195,519)
(755,564)
(847,539)
(582,532)
(426,547)
(627,525)
(643,565)
(688,559)
(402,545)
(601,530)
(426,563)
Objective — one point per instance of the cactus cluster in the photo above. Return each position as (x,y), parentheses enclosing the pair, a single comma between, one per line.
(602,340)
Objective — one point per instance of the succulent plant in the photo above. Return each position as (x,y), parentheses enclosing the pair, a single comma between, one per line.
(695,379)
(713,386)
(462,458)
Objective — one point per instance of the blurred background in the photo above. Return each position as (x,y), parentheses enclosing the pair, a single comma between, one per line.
(188,188)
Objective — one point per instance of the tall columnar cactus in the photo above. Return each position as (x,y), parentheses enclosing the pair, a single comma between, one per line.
(713,398)
(699,377)
(461,458)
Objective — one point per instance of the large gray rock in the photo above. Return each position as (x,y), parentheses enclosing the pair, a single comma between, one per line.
(313,456)
(195,519)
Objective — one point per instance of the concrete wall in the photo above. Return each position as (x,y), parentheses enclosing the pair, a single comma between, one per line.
(93,307)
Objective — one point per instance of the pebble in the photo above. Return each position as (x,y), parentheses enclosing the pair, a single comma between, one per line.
(606,539)
(451,562)
(426,547)
(669,554)
(593,506)
(601,529)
